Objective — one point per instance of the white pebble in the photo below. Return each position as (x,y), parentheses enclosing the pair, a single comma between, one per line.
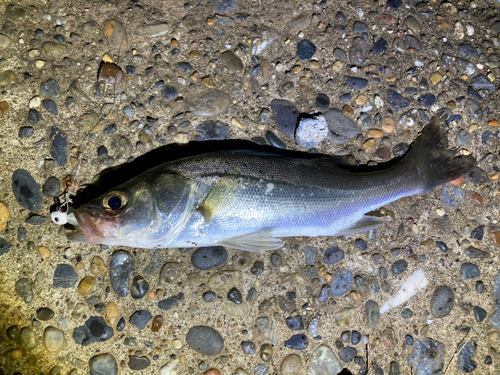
(413,284)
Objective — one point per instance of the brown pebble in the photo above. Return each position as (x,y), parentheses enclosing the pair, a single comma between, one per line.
(477,198)
(213,371)
(86,285)
(116,35)
(347,110)
(208,82)
(110,74)
(210,21)
(369,144)
(374,133)
(492,123)
(174,42)
(112,313)
(44,252)
(387,125)
(157,323)
(495,238)
(383,154)
(457,182)
(16,353)
(4,107)
(4,216)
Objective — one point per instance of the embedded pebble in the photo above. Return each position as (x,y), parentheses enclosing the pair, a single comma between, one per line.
(23,290)
(469,271)
(324,362)
(210,130)
(154,30)
(121,267)
(305,50)
(116,34)
(53,339)
(285,114)
(297,342)
(342,128)
(103,364)
(140,319)
(137,363)
(64,276)
(311,131)
(27,339)
(291,365)
(213,103)
(232,61)
(427,357)
(95,329)
(51,187)
(442,301)
(170,302)
(341,282)
(44,313)
(26,190)
(205,340)
(333,255)
(347,354)
(139,287)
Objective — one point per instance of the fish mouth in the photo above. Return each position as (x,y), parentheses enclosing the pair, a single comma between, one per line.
(86,231)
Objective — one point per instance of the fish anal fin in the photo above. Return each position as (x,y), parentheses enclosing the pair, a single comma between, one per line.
(220,198)
(258,241)
(367,222)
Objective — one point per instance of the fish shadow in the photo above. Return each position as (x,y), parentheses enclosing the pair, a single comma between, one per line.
(111,177)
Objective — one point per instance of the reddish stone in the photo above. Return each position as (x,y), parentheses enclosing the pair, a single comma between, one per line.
(495,238)
(4,107)
(457,182)
(387,19)
(383,154)
(110,73)
(477,198)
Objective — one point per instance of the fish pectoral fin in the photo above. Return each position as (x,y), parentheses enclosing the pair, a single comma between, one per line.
(260,240)
(220,198)
(364,224)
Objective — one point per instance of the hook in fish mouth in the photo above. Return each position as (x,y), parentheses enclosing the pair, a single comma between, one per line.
(85,229)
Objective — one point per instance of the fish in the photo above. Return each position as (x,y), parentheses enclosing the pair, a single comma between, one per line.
(250,200)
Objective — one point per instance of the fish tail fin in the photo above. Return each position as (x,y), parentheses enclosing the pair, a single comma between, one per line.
(436,163)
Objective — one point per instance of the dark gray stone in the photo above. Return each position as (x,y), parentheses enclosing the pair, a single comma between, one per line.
(26,131)
(4,246)
(64,276)
(205,340)
(297,342)
(121,266)
(396,101)
(50,106)
(35,219)
(322,102)
(248,347)
(347,354)
(310,253)
(235,296)
(169,92)
(139,287)
(465,354)
(342,128)
(59,144)
(95,329)
(341,282)
(274,140)
(34,117)
(210,130)
(442,301)
(137,363)
(480,313)
(452,196)
(206,258)
(427,357)
(51,187)
(305,50)
(26,191)
(412,42)
(333,255)
(295,323)
(356,82)
(469,271)
(286,115)
(141,318)
(170,302)
(474,108)
(50,88)
(399,267)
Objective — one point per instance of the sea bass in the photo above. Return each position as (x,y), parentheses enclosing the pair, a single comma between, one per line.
(248,200)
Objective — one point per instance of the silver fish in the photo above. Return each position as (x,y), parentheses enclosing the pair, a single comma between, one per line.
(248,200)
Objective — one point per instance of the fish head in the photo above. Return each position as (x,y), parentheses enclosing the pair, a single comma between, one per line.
(143,212)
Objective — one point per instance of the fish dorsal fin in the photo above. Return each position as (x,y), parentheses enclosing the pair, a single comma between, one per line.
(367,222)
(258,241)
(220,198)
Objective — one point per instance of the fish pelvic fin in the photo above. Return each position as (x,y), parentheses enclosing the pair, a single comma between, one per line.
(436,163)
(366,223)
(258,241)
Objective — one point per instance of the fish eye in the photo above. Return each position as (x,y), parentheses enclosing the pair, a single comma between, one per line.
(115,201)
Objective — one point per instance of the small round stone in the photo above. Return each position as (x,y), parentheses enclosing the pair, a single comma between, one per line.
(86,285)
(157,323)
(341,282)
(103,364)
(322,102)
(305,50)
(53,339)
(51,187)
(206,258)
(44,314)
(248,347)
(209,296)
(469,271)
(266,352)
(234,295)
(27,339)
(139,287)
(399,267)
(205,340)
(291,365)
